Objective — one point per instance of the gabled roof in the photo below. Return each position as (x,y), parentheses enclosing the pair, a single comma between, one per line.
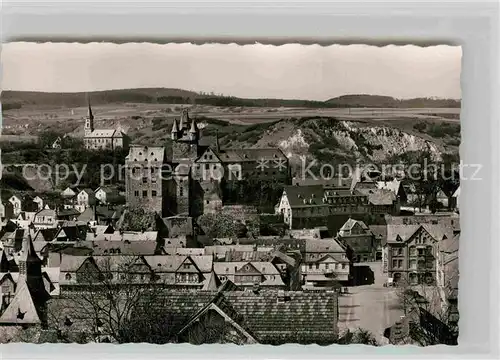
(187,260)
(139,153)
(212,282)
(270,320)
(89,191)
(405,232)
(330,256)
(22,309)
(46,212)
(170,263)
(71,263)
(45,234)
(231,268)
(324,246)
(101,133)
(349,224)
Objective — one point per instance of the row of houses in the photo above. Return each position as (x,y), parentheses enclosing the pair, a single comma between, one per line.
(73,199)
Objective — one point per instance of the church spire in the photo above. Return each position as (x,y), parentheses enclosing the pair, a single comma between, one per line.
(89,112)
(89,121)
(28,256)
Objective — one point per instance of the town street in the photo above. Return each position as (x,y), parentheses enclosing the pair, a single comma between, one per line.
(371,307)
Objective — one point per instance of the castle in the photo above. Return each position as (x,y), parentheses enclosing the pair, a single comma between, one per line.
(103,138)
(186,179)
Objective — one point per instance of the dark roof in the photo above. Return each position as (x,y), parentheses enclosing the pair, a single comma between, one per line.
(46,234)
(303,317)
(380,231)
(297,194)
(68,212)
(270,317)
(104,247)
(335,182)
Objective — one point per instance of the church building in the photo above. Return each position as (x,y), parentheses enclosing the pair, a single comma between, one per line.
(110,139)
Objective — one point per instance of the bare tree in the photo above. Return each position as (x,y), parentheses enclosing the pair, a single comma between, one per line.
(429,319)
(105,305)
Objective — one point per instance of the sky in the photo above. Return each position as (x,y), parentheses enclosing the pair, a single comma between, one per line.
(291,71)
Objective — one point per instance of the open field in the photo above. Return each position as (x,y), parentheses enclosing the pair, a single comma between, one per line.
(29,120)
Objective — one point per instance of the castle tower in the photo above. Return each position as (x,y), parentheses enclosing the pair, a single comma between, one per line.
(185,145)
(184,120)
(174,134)
(182,178)
(193,131)
(89,120)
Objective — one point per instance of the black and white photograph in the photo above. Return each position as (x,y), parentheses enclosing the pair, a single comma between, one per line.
(230,194)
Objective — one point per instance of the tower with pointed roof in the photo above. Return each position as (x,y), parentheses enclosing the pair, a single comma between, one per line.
(185,135)
(174,134)
(89,120)
(28,306)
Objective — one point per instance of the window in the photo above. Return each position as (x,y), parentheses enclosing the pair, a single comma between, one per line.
(136,193)
(394,263)
(343,266)
(413,251)
(413,264)
(181,191)
(400,251)
(420,252)
(400,263)
(208,202)
(153,193)
(310,266)
(144,193)
(327,266)
(68,276)
(144,180)
(207,166)
(317,266)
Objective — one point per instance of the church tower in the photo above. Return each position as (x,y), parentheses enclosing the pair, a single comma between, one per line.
(89,120)
(30,266)
(29,305)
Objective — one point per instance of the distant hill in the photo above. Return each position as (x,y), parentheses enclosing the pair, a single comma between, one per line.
(364,100)
(17,99)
